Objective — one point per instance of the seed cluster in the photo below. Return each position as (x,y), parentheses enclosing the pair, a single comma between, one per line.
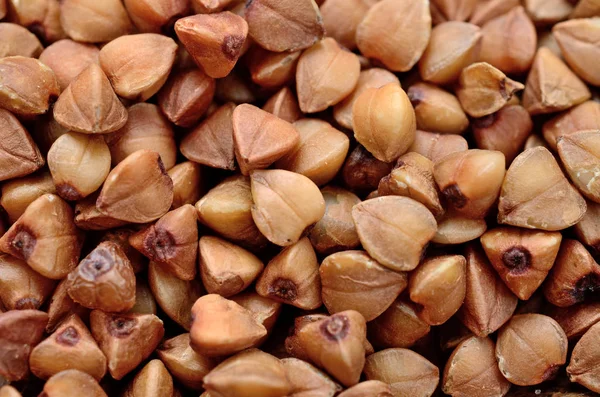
(299,198)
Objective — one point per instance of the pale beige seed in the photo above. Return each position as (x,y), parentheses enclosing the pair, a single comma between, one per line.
(437,110)
(580,154)
(578,40)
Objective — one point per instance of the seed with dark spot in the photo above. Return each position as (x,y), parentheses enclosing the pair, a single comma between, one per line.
(551,372)
(232,45)
(161,166)
(336,327)
(68,192)
(484,122)
(284,289)
(121,327)
(453,194)
(160,245)
(24,241)
(415,97)
(517,259)
(68,337)
(99,262)
(587,287)
(27,303)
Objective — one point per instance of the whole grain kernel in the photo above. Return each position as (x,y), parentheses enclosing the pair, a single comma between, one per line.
(292,277)
(583,367)
(505,131)
(9,391)
(174,295)
(144,300)
(171,242)
(152,380)
(155,16)
(384,121)
(580,155)
(234,88)
(587,230)
(413,177)
(284,25)
(21,287)
(362,171)
(401,48)
(472,370)
(373,388)
(125,339)
(89,217)
(46,131)
(585,116)
(398,326)
(27,86)
(509,41)
(284,104)
(293,345)
(585,9)
(68,58)
(222,327)
(89,104)
(211,142)
(104,280)
(138,189)
(91,22)
(320,152)
(489,303)
(351,280)
(533,183)
(437,110)
(138,65)
(394,230)
(455,228)
(45,237)
(521,257)
(227,209)
(470,181)
(439,286)
(576,39)
(186,96)
(576,320)
(530,349)
(264,310)
(335,231)
(436,146)
(71,346)
(251,373)
(260,138)
(483,89)
(535,140)
(542,96)
(146,128)
(453,46)
(549,11)
(341,19)
(18,41)
(325,75)
(455,10)
(272,69)
(210,6)
(575,276)
(485,11)
(20,332)
(407,372)
(187,366)
(79,164)
(72,382)
(308,380)
(19,155)
(370,78)
(187,183)
(285,205)
(61,306)
(214,40)
(226,269)
(336,344)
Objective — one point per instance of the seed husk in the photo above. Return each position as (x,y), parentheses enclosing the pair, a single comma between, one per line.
(437,110)
(284,25)
(292,277)
(394,230)
(407,372)
(222,327)
(351,280)
(89,105)
(89,217)
(45,237)
(534,182)
(226,269)
(279,194)
(580,155)
(137,190)
(403,47)
(436,146)
(325,75)
(585,116)
(530,349)
(125,339)
(19,155)
(71,346)
(214,40)
(104,280)
(21,287)
(79,57)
